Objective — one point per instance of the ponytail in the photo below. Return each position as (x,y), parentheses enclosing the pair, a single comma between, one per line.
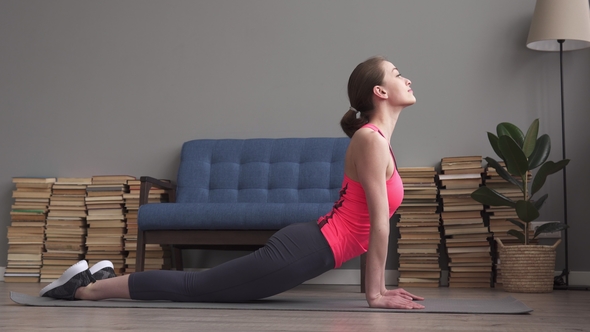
(350,123)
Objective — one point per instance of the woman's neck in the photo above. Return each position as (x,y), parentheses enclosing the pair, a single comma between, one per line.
(385,120)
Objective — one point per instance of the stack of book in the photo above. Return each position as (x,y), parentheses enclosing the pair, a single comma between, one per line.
(418,244)
(65,232)
(466,235)
(156,257)
(27,228)
(106,219)
(499,216)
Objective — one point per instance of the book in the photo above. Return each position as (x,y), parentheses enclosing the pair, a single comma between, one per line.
(467,176)
(419,265)
(460,214)
(32,180)
(483,243)
(487,269)
(32,194)
(20,278)
(479,170)
(103,179)
(456,191)
(477,259)
(456,159)
(471,166)
(420,274)
(469,274)
(465,221)
(468,249)
(462,184)
(457,230)
(470,284)
(74,180)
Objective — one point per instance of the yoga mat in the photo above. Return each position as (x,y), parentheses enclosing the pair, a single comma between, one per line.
(507,305)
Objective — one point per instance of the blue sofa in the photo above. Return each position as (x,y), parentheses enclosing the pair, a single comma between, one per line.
(235,193)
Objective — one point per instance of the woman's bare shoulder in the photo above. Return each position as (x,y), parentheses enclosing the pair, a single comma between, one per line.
(368,139)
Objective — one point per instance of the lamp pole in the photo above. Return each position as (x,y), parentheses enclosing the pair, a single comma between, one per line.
(566,271)
(561,21)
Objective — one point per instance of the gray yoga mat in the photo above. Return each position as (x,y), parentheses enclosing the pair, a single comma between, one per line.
(507,305)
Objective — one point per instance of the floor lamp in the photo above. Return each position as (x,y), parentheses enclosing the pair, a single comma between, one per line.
(561,25)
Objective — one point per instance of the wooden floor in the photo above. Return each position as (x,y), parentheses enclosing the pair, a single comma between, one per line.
(556,311)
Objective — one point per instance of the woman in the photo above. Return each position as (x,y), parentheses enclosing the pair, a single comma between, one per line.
(359,222)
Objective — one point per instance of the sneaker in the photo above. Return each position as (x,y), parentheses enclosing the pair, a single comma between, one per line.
(65,287)
(103,270)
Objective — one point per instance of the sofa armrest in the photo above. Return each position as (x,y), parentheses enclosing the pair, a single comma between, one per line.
(148,182)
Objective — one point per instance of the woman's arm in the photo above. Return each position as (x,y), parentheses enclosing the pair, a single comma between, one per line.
(373,167)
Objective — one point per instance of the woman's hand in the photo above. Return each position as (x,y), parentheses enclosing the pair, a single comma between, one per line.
(396,299)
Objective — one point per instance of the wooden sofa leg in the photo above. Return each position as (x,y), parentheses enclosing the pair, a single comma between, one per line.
(177,253)
(140,255)
(363,268)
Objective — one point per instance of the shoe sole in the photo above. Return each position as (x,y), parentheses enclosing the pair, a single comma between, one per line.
(101,265)
(66,276)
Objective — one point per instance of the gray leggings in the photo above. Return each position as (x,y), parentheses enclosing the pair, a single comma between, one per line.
(295,254)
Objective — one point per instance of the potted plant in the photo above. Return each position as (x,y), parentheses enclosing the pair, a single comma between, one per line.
(523,153)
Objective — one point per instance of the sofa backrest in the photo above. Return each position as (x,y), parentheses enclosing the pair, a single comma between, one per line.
(284,170)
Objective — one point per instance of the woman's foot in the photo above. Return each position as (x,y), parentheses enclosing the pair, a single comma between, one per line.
(103,270)
(76,276)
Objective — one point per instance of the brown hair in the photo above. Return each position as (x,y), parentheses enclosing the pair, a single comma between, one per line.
(362,80)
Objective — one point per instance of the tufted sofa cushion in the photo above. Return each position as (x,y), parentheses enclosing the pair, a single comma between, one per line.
(251,184)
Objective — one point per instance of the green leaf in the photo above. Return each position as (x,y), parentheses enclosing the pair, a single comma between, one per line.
(547,169)
(539,203)
(518,223)
(517,234)
(526,211)
(550,228)
(491,197)
(541,152)
(494,143)
(508,129)
(530,139)
(516,161)
(503,173)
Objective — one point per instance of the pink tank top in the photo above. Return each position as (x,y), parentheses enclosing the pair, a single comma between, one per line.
(347,226)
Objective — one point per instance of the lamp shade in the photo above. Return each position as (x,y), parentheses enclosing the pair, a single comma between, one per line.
(554,20)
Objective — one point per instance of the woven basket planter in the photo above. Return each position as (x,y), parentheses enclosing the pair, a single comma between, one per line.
(527,268)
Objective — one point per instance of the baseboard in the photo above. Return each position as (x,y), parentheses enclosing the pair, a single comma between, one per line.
(340,277)
(353,277)
(349,277)
(577,278)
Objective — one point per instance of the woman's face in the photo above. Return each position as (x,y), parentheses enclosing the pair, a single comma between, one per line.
(396,86)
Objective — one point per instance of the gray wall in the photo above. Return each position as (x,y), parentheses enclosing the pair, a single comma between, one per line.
(111,87)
